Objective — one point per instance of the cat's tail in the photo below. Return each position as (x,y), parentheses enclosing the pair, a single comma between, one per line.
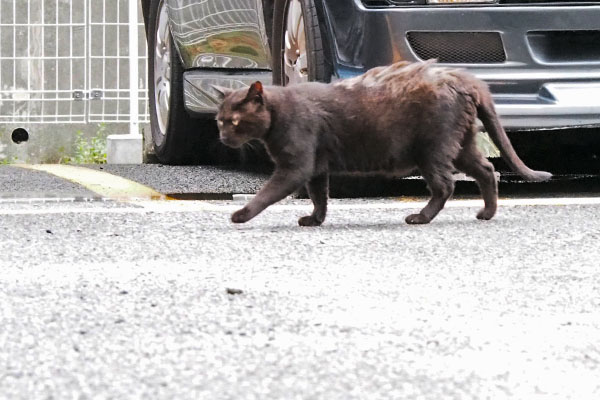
(487,114)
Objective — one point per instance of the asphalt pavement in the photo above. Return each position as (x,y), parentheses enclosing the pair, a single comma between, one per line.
(21,183)
(168,299)
(220,183)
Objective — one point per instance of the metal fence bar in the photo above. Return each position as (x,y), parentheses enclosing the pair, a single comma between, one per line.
(133,68)
(56,65)
(71,54)
(103,52)
(1,41)
(28,47)
(118,28)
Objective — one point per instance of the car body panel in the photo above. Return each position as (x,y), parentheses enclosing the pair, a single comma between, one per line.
(220,33)
(364,38)
(524,86)
(533,88)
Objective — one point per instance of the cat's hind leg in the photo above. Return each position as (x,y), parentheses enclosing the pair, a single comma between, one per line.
(441,185)
(473,163)
(318,190)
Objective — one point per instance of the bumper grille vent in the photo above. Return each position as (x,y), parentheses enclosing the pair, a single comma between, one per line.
(391,3)
(396,3)
(565,46)
(375,3)
(546,2)
(458,47)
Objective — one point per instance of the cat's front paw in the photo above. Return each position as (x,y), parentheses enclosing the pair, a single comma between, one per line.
(241,216)
(417,219)
(485,214)
(309,220)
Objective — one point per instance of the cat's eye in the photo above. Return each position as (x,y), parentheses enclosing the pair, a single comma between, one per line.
(234,122)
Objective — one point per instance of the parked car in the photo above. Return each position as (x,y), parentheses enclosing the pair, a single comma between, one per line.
(541,58)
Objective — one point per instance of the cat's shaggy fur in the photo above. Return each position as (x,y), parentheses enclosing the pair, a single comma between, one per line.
(395,120)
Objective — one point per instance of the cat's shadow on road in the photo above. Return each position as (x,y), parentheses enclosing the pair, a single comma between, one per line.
(355,226)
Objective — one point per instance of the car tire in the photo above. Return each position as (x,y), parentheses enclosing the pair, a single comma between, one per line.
(177,137)
(315,67)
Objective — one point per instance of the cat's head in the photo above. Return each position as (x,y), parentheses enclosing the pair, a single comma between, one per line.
(242,115)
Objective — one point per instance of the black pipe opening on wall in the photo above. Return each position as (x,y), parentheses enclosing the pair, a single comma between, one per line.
(20,135)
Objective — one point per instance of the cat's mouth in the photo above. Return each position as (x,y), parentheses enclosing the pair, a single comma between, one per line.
(227,141)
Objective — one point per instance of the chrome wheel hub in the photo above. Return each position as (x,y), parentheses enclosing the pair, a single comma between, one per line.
(295,64)
(162,69)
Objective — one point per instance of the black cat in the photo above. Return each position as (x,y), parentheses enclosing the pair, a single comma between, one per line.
(392,120)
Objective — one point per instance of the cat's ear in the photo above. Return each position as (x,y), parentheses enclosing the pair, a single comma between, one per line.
(222,92)
(255,93)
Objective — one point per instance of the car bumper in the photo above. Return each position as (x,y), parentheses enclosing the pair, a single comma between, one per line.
(557,105)
(536,84)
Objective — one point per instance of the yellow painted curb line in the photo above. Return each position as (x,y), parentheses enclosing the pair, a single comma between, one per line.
(103,183)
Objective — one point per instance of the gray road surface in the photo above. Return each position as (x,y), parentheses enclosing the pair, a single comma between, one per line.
(189,179)
(19,183)
(127,301)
